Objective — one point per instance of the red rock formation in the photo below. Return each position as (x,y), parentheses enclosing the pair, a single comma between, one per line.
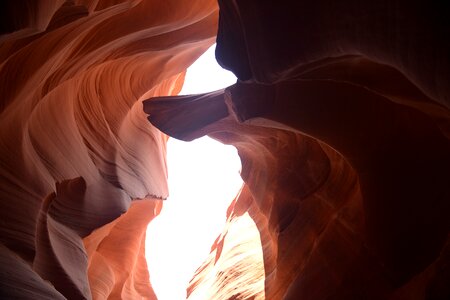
(341,120)
(122,272)
(72,78)
(235,267)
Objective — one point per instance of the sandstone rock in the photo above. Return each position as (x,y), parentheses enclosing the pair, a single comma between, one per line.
(341,120)
(75,146)
(340,116)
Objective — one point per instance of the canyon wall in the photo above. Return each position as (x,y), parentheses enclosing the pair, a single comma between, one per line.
(341,119)
(82,171)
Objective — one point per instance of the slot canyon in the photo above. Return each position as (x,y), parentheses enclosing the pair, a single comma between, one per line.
(340,116)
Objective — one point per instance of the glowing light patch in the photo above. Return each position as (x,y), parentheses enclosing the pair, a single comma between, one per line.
(203,180)
(205,75)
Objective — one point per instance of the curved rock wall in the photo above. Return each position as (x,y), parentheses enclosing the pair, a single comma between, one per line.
(119,270)
(75,146)
(341,119)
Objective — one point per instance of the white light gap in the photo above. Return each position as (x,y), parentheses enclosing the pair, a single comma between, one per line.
(203,179)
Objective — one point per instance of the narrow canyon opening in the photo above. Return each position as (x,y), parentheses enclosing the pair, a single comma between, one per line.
(204,178)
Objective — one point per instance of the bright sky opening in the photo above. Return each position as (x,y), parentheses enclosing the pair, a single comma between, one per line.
(204,177)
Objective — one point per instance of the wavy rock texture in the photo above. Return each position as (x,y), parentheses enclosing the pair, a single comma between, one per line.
(235,267)
(122,272)
(75,146)
(341,119)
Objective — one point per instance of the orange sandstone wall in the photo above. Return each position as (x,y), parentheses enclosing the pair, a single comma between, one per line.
(117,265)
(341,118)
(75,146)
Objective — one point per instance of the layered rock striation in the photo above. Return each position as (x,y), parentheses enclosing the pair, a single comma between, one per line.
(235,267)
(340,117)
(76,148)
